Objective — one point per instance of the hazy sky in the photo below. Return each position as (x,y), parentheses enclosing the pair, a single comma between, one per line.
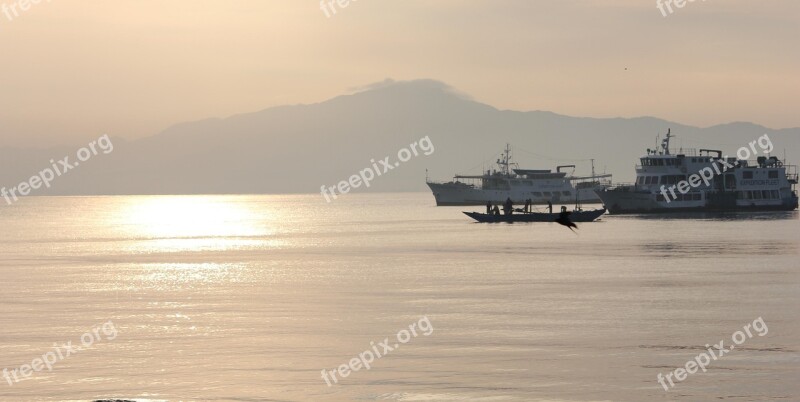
(74,69)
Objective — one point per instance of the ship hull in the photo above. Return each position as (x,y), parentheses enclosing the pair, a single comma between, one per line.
(463,195)
(630,202)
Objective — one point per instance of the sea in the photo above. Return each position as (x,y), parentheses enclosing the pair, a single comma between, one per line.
(386,297)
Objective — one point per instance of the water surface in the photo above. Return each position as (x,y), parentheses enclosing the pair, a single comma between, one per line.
(248,298)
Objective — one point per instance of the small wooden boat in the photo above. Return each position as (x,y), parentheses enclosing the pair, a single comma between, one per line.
(575,216)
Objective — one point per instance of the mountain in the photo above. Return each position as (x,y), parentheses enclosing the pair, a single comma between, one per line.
(298,148)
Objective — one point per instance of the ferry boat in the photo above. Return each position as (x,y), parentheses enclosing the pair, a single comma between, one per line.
(509,181)
(766,184)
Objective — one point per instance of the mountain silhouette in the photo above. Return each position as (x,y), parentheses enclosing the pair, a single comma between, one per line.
(298,148)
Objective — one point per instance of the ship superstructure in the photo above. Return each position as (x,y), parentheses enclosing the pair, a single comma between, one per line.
(668,181)
(509,181)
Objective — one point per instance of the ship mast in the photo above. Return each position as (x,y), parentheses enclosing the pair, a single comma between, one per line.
(665,143)
(505,161)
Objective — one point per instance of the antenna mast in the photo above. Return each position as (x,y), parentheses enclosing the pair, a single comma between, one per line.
(665,143)
(505,161)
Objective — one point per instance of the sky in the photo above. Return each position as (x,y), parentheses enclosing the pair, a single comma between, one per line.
(73,70)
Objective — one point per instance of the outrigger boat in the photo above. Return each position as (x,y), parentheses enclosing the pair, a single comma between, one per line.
(577,215)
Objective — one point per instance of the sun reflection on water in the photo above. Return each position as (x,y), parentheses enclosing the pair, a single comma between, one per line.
(174,276)
(195,223)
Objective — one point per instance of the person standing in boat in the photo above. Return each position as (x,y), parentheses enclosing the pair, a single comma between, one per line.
(488,207)
(550,206)
(508,208)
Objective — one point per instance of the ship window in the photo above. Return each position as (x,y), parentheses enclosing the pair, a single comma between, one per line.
(548,194)
(640,180)
(698,197)
(773,174)
(730,181)
(765,194)
(663,180)
(567,193)
(747,174)
(756,195)
(537,194)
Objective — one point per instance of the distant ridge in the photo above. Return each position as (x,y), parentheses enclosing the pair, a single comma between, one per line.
(298,148)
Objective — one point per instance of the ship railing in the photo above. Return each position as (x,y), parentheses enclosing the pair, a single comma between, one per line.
(458,182)
(684,151)
(621,186)
(781,163)
(679,151)
(665,169)
(604,183)
(791,173)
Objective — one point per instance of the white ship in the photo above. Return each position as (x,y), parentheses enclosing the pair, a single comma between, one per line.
(761,185)
(509,181)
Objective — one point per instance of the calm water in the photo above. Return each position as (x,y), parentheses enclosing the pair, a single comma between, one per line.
(248,298)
